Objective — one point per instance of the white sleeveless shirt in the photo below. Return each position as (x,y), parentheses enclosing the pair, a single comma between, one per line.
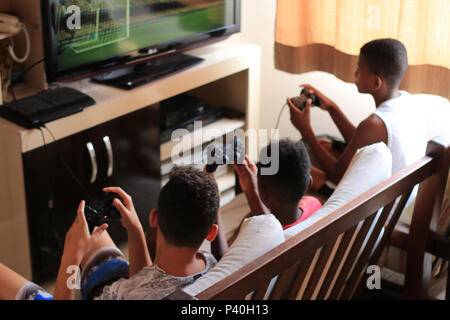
(406,129)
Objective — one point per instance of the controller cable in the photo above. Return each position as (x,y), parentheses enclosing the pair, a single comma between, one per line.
(51,199)
(279,118)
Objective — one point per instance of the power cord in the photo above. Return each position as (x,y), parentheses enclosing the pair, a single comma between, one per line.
(11,88)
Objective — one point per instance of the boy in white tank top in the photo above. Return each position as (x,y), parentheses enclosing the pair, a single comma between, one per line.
(382,65)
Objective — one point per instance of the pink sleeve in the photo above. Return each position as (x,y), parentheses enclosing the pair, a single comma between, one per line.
(309,205)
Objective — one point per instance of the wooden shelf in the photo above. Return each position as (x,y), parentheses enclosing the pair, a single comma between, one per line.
(228,76)
(221,128)
(221,61)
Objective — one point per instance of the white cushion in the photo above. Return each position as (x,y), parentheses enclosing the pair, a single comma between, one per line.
(370,165)
(435,108)
(258,235)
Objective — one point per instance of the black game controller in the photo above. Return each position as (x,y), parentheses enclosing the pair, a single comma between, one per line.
(234,150)
(102,213)
(300,101)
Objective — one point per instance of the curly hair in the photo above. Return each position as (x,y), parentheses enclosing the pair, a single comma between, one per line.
(291,181)
(187,206)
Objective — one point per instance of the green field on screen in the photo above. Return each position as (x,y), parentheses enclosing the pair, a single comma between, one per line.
(144,34)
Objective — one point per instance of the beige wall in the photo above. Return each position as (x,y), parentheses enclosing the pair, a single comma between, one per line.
(258,26)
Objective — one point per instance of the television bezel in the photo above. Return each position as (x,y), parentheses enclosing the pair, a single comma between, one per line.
(140,55)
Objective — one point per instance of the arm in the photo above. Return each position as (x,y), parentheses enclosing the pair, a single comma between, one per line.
(78,242)
(10,282)
(345,127)
(301,120)
(247,173)
(62,291)
(370,131)
(326,160)
(138,253)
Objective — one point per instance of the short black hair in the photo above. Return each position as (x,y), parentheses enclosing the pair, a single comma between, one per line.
(187,206)
(387,58)
(291,181)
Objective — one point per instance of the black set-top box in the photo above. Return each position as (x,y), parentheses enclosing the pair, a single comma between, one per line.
(46,106)
(180,112)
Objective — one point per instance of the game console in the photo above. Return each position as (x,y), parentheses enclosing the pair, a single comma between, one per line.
(46,106)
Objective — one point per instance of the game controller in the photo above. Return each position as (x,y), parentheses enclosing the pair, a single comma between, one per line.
(300,101)
(102,213)
(234,150)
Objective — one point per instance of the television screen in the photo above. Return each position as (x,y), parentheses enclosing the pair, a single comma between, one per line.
(88,31)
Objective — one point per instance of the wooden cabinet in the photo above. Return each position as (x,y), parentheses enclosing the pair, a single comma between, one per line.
(33,176)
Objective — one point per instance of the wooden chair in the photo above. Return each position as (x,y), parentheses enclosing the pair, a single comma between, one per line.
(329,260)
(420,239)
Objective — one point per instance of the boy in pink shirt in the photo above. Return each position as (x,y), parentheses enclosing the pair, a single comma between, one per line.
(282,193)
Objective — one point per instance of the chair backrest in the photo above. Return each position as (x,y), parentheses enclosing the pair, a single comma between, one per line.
(329,259)
(426,214)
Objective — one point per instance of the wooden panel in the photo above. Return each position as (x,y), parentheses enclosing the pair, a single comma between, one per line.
(362,261)
(318,269)
(299,283)
(260,292)
(5,6)
(283,281)
(222,93)
(338,256)
(430,195)
(14,244)
(388,229)
(362,233)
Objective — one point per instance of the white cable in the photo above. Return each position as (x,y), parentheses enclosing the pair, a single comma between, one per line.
(279,118)
(28,44)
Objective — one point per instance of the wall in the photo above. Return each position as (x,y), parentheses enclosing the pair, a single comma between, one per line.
(258,26)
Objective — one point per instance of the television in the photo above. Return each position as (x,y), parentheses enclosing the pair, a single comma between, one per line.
(129,42)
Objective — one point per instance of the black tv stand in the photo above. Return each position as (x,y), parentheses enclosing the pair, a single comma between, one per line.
(139,74)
